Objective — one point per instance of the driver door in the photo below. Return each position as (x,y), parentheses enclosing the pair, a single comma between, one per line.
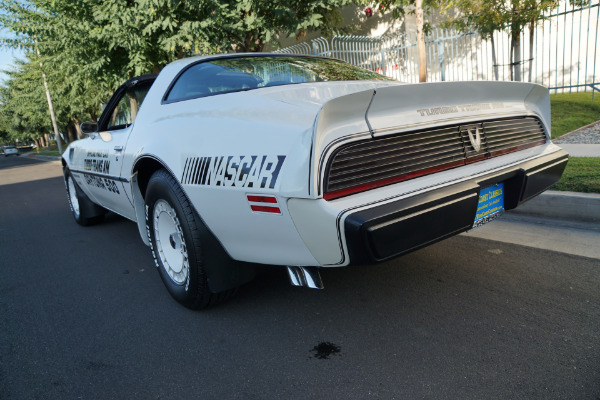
(103,156)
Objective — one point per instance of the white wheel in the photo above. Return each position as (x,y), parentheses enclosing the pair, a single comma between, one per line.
(180,249)
(83,209)
(73,197)
(170,243)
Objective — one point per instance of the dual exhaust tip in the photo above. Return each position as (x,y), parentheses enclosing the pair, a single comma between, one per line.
(306,277)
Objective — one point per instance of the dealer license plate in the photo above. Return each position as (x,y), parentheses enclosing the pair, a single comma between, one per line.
(491,204)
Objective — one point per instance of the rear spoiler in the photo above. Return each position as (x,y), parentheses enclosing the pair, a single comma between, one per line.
(395,108)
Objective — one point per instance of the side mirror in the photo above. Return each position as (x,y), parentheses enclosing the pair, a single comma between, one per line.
(89,127)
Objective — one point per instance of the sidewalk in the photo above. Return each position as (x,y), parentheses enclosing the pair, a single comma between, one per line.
(582,142)
(581,150)
(571,206)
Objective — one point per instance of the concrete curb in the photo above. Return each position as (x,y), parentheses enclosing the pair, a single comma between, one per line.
(41,157)
(583,207)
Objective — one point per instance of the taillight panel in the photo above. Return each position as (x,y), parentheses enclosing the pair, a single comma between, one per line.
(368,164)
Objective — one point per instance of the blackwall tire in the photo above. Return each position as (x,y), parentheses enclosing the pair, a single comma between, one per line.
(80,204)
(174,230)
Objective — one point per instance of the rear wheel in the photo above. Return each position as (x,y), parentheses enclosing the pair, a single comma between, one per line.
(175,233)
(85,212)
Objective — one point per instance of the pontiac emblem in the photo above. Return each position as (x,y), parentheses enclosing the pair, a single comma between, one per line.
(475,141)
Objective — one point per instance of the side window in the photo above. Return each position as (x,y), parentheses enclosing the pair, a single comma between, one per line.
(127,108)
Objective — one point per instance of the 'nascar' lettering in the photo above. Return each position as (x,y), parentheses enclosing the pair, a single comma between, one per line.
(101,166)
(238,171)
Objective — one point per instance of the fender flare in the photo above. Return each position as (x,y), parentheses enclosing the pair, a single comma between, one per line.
(223,272)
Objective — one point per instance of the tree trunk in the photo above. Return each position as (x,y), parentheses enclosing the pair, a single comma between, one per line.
(71,132)
(516,39)
(78,128)
(494,61)
(515,45)
(531,33)
(421,41)
(253,42)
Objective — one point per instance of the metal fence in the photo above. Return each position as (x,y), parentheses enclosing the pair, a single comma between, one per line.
(563,56)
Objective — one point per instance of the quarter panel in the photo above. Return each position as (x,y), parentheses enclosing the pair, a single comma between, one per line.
(204,143)
(247,235)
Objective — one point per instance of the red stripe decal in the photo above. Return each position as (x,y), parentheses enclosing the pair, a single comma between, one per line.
(266,209)
(262,199)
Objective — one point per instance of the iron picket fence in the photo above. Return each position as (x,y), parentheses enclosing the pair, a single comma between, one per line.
(563,55)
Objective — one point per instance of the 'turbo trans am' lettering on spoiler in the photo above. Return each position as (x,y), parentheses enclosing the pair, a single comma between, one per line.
(238,171)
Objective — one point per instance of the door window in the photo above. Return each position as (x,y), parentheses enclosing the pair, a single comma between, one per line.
(127,108)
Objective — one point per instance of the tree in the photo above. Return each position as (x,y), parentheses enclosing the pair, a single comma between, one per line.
(23,111)
(420,8)
(489,16)
(89,47)
(257,22)
(120,38)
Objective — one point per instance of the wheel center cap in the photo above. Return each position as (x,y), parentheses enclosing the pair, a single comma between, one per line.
(175,241)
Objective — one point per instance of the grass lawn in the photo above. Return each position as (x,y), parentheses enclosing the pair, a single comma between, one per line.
(49,153)
(582,174)
(573,110)
(51,150)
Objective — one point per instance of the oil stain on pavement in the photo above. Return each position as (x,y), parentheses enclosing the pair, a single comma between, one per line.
(324,350)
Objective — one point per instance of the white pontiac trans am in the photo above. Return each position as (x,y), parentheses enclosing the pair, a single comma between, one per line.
(305,162)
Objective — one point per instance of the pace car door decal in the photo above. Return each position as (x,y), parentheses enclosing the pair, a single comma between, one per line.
(238,171)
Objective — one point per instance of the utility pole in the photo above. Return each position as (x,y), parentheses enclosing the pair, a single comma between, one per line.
(50,106)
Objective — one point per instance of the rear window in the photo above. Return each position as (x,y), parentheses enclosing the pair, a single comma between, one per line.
(227,75)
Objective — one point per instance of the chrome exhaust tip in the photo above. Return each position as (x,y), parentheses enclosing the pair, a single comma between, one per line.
(306,277)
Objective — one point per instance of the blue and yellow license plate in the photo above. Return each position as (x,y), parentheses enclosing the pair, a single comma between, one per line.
(491,204)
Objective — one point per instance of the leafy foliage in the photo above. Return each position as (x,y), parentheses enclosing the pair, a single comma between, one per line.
(24,113)
(401,8)
(489,16)
(89,47)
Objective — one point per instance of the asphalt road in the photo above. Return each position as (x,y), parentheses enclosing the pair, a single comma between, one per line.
(84,314)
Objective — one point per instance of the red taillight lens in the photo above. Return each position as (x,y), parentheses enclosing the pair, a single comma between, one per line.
(263,204)
(265,209)
(262,199)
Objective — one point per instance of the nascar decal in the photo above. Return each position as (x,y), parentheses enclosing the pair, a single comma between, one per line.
(238,171)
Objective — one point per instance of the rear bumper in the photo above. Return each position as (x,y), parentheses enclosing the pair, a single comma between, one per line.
(389,230)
